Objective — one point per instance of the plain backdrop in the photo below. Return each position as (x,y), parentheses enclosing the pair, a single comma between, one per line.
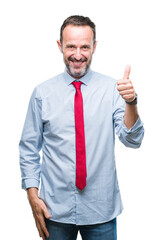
(128,32)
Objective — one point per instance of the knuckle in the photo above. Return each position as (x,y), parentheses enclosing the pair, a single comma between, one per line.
(38,213)
(128,85)
(131,91)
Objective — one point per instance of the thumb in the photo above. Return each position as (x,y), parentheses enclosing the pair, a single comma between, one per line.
(46,213)
(127,72)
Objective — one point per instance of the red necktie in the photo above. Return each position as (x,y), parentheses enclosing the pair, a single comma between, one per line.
(81,172)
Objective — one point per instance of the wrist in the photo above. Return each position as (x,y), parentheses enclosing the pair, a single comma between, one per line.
(134,102)
(32,194)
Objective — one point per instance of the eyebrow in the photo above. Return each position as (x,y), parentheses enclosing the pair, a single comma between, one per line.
(73,45)
(70,45)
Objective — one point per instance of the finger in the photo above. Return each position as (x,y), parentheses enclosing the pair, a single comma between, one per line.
(41,233)
(123,81)
(127,72)
(123,87)
(129,97)
(126,92)
(45,210)
(43,226)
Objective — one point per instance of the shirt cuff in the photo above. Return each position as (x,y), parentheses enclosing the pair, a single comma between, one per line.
(29,183)
(134,127)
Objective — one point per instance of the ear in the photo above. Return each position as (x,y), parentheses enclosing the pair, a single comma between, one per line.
(94,47)
(59,46)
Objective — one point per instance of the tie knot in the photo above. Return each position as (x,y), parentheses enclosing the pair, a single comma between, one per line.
(77,84)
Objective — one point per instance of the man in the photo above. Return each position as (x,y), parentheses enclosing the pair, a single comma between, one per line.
(73,118)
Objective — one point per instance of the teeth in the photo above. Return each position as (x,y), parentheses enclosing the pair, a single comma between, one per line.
(77,63)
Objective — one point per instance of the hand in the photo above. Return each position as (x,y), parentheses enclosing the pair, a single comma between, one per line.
(125,87)
(40,212)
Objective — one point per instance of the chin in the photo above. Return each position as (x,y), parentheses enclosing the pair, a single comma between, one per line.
(81,72)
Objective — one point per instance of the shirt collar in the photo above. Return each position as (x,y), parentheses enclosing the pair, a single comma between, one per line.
(85,79)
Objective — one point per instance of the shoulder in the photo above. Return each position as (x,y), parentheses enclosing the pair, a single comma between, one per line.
(104,79)
(48,86)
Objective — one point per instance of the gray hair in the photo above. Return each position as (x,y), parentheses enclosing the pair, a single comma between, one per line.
(77,20)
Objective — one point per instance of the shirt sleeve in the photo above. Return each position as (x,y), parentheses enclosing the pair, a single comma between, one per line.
(129,137)
(31,142)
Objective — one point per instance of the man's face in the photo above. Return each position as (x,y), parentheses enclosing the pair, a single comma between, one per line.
(77,48)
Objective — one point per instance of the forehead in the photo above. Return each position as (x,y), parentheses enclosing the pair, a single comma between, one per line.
(76,34)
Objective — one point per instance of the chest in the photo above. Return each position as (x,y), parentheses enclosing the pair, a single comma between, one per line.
(58,109)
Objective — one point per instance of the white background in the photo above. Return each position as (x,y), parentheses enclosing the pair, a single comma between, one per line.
(128,32)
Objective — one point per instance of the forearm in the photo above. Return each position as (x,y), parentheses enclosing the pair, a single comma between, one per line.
(131,115)
(32,194)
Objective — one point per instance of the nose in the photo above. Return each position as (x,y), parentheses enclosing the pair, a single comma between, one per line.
(77,54)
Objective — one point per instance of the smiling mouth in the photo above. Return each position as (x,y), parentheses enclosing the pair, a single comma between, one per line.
(77,63)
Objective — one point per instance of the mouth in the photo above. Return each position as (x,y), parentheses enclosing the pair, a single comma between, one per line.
(77,63)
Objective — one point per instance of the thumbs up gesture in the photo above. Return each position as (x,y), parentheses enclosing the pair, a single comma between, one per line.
(125,87)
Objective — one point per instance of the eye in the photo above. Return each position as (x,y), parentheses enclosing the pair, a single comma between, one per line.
(85,47)
(71,47)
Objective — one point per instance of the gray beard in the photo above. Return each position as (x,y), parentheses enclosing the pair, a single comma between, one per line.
(82,73)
